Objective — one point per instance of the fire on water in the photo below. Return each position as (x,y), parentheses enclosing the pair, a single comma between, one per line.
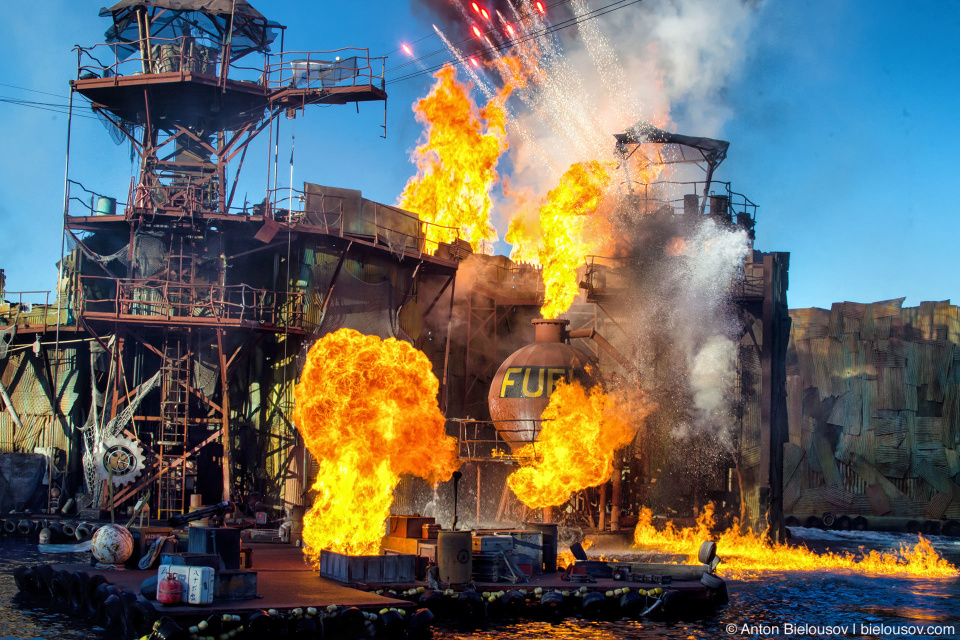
(748,553)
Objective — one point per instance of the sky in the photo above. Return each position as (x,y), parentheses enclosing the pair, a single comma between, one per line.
(842,118)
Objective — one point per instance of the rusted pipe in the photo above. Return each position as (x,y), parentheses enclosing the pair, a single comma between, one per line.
(10,409)
(592,334)
(602,522)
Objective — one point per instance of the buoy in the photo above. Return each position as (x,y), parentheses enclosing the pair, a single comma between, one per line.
(169,590)
(25,527)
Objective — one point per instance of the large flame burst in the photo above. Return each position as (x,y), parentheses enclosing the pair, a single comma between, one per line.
(367,411)
(748,553)
(580,433)
(456,163)
(564,215)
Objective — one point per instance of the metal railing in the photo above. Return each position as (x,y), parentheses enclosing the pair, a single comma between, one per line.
(24,309)
(483,439)
(183,55)
(722,200)
(373,221)
(174,300)
(349,66)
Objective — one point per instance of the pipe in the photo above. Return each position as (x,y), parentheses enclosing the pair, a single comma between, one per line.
(9,403)
(456,482)
(602,522)
(547,515)
(616,491)
(591,334)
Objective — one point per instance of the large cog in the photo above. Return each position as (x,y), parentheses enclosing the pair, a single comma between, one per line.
(120,456)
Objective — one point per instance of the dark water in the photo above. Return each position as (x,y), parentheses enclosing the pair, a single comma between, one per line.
(817,605)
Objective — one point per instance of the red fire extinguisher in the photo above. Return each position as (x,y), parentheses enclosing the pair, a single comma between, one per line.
(169,590)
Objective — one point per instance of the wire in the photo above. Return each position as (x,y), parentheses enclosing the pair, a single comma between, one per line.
(596,13)
(43,106)
(467,39)
(46,93)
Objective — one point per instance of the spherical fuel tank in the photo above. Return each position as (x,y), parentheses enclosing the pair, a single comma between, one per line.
(524,382)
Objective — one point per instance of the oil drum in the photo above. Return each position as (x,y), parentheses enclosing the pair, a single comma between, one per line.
(455,556)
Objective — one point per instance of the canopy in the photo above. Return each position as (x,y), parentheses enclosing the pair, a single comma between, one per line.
(207,20)
(689,148)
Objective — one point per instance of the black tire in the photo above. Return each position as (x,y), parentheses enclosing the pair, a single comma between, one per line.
(813,522)
(844,523)
(140,617)
(829,520)
(91,596)
(792,522)
(78,592)
(60,590)
(103,592)
(931,528)
(912,526)
(951,528)
(113,614)
(861,524)
(44,582)
(24,577)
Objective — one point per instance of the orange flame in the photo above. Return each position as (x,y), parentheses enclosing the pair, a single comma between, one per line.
(456,163)
(749,553)
(581,431)
(367,411)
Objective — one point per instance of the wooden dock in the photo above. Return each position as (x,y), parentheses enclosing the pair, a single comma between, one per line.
(284,580)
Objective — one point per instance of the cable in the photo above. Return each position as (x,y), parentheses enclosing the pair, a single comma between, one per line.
(46,93)
(467,39)
(596,13)
(43,106)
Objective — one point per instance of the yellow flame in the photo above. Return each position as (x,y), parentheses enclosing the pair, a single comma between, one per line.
(367,411)
(456,163)
(580,433)
(748,553)
(563,216)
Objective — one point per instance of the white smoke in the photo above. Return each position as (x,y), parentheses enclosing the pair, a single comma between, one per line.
(712,373)
(666,62)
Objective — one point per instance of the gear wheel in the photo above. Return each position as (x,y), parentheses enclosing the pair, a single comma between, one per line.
(121,456)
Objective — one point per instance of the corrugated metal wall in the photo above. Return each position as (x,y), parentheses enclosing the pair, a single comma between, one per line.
(874,411)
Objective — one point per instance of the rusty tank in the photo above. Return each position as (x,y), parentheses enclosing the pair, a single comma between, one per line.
(521,389)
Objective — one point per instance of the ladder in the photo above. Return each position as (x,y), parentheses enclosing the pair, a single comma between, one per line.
(173,434)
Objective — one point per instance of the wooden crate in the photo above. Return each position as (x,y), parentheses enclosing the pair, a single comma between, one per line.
(344,568)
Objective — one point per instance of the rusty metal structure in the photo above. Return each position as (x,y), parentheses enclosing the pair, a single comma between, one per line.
(503,297)
(190,313)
